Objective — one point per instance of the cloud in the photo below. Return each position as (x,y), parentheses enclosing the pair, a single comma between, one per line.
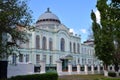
(97,13)
(84,31)
(72,30)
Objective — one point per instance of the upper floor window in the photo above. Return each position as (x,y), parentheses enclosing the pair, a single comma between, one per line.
(74,47)
(44,43)
(37,42)
(70,47)
(62,44)
(78,48)
(50,44)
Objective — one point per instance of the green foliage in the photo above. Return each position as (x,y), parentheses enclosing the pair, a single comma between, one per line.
(46,76)
(111,79)
(107,32)
(112,74)
(13,13)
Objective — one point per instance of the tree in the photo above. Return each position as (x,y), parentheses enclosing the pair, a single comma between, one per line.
(115,20)
(107,33)
(13,14)
(102,32)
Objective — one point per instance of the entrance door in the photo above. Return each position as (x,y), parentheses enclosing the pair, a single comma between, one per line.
(64,64)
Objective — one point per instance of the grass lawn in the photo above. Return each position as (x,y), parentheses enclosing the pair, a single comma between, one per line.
(86,77)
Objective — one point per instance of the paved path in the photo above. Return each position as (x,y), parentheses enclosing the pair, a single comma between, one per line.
(81,73)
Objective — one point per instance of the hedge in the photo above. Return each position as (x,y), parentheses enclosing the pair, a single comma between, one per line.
(112,74)
(46,76)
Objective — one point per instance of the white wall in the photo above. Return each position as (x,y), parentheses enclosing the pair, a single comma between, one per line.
(20,69)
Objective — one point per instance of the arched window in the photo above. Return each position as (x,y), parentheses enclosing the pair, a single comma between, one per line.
(78,48)
(37,42)
(62,44)
(78,60)
(44,43)
(50,44)
(74,47)
(70,47)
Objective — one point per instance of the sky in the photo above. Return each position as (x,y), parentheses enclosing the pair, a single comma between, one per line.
(75,14)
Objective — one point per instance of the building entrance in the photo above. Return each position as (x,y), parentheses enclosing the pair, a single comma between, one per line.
(64,64)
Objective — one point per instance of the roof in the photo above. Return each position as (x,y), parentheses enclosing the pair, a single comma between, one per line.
(48,15)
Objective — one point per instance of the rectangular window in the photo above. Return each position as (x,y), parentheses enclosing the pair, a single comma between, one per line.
(14,58)
(27,57)
(51,59)
(44,58)
(21,58)
(37,58)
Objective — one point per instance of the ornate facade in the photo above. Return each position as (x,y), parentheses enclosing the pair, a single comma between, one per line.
(52,41)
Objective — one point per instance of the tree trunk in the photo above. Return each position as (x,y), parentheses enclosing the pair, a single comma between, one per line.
(3,69)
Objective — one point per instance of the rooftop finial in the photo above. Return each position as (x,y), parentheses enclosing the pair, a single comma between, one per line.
(48,10)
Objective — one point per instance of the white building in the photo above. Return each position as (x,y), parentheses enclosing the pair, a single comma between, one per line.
(52,41)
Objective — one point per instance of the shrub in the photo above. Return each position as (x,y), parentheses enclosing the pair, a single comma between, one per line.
(112,74)
(46,76)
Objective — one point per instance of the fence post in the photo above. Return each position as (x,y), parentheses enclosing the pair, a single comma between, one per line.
(69,68)
(78,68)
(98,68)
(92,69)
(42,63)
(86,69)
(59,66)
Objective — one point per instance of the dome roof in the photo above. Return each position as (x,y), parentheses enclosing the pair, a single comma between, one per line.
(48,16)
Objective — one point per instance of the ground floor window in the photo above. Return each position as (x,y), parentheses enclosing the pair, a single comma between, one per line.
(37,58)
(51,59)
(27,57)
(14,59)
(21,58)
(44,58)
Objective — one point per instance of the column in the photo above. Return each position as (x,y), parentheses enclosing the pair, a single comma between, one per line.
(92,69)
(86,69)
(78,68)
(42,64)
(98,68)
(69,68)
(59,66)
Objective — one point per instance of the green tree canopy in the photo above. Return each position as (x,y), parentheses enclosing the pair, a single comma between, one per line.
(107,33)
(13,13)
